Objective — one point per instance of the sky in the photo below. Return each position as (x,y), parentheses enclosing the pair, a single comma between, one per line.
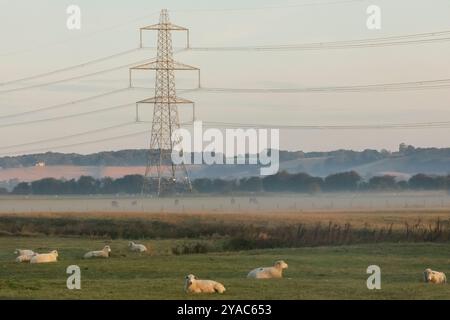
(35,40)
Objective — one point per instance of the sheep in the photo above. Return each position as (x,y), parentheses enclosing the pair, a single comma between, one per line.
(435,277)
(45,257)
(24,252)
(25,258)
(136,247)
(193,285)
(270,272)
(104,253)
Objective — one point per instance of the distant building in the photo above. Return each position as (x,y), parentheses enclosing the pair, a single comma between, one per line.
(40,164)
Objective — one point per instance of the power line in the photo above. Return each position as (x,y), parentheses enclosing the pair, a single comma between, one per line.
(75,77)
(83,76)
(412,85)
(67,137)
(71,103)
(62,105)
(413,125)
(382,41)
(84,64)
(82,143)
(67,116)
(321,46)
(389,86)
(418,125)
(307,46)
(71,40)
(393,86)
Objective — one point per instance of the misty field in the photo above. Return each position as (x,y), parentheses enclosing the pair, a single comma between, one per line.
(313,273)
(238,203)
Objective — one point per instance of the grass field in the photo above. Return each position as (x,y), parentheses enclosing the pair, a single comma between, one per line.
(314,273)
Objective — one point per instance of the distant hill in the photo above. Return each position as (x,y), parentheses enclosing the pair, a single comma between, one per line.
(404,163)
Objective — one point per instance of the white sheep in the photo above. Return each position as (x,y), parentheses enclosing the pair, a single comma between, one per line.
(434,276)
(24,252)
(269,272)
(137,247)
(45,257)
(193,285)
(104,253)
(25,258)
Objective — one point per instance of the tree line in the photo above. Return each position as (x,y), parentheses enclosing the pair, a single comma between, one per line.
(280,182)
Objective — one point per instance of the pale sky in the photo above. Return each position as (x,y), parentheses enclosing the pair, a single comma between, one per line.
(35,40)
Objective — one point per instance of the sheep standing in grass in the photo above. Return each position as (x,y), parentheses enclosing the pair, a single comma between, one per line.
(434,276)
(270,272)
(193,285)
(45,257)
(24,252)
(104,253)
(137,247)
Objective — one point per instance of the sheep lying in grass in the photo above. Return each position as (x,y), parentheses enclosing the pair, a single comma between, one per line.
(270,272)
(137,247)
(45,257)
(24,252)
(193,285)
(434,276)
(104,253)
(25,257)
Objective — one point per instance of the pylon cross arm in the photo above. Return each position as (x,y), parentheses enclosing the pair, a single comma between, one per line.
(165,26)
(170,100)
(173,66)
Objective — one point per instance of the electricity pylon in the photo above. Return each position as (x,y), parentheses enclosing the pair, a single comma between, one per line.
(162,174)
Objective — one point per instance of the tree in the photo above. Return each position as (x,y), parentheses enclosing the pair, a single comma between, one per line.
(302,182)
(202,185)
(345,181)
(131,184)
(426,182)
(22,188)
(253,184)
(87,185)
(107,185)
(223,186)
(385,182)
(47,186)
(277,182)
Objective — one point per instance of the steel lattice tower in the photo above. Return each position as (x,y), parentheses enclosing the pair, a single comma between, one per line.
(161,174)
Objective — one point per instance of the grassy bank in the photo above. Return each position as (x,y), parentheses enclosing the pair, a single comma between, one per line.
(239,232)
